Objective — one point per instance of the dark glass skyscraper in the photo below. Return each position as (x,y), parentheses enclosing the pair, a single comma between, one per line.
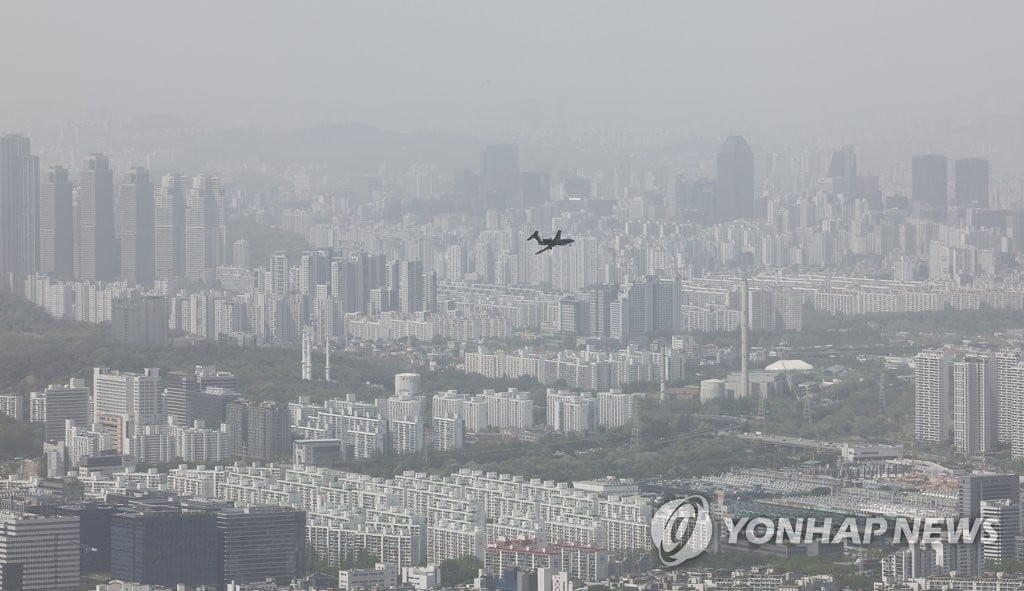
(165,547)
(19,206)
(97,256)
(929,184)
(972,182)
(169,226)
(260,543)
(411,287)
(499,176)
(94,521)
(135,205)
(536,188)
(56,224)
(842,168)
(735,183)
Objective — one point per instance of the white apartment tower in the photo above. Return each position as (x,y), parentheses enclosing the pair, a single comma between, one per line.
(135,396)
(932,377)
(1009,408)
(975,407)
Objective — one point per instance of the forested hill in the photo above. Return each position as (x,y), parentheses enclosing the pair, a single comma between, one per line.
(37,350)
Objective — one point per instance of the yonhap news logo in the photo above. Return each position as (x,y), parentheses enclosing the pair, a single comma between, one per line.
(681,529)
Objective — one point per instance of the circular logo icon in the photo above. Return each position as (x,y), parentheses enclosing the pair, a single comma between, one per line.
(681,529)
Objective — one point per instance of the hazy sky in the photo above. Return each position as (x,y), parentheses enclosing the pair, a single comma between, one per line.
(484,66)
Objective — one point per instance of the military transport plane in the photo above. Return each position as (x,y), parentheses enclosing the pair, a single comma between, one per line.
(549,243)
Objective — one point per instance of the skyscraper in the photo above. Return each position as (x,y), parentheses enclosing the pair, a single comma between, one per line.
(353,279)
(38,553)
(257,543)
(735,180)
(313,270)
(134,396)
(180,389)
(975,426)
(279,273)
(56,224)
(169,226)
(165,546)
(19,207)
(842,170)
(240,253)
(258,431)
(97,257)
(204,228)
(137,231)
(139,320)
(536,188)
(601,300)
(975,490)
(972,182)
(929,184)
(931,396)
(410,287)
(499,176)
(63,403)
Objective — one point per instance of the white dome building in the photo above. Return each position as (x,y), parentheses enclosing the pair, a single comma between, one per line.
(789,365)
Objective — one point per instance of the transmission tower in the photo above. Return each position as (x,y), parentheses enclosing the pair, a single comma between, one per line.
(807,408)
(762,410)
(634,434)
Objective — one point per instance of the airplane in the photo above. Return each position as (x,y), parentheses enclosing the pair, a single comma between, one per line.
(549,243)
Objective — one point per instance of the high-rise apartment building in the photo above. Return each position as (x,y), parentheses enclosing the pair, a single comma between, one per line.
(240,253)
(449,433)
(975,408)
(313,270)
(56,224)
(279,273)
(19,207)
(140,320)
(932,385)
(1010,394)
(97,257)
(137,228)
(258,431)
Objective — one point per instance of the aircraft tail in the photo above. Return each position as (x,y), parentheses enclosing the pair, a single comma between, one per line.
(534,236)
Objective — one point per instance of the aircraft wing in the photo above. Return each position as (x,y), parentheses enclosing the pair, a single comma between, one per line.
(558,235)
(546,248)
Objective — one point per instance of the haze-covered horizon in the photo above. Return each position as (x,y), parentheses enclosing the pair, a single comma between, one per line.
(793,71)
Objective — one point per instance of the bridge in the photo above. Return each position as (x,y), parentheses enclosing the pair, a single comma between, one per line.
(814,445)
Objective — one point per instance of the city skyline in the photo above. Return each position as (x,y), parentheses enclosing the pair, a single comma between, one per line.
(462,296)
